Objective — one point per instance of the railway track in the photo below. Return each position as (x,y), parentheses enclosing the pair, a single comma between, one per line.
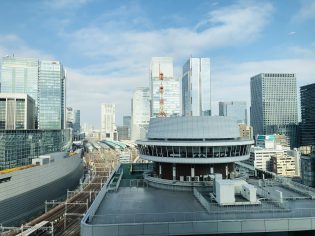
(66,216)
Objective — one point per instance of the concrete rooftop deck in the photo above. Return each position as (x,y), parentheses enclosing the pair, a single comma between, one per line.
(140,205)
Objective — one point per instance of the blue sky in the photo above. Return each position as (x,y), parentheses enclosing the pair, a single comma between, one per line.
(106,46)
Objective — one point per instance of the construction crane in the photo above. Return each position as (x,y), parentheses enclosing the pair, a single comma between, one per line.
(161,113)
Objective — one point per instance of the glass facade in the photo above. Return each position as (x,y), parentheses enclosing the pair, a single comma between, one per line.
(140,111)
(44,81)
(19,147)
(194,151)
(274,105)
(76,123)
(127,122)
(235,110)
(308,115)
(196,87)
(171,94)
(51,95)
(20,75)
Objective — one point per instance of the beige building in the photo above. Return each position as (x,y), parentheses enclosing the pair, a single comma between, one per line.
(283,164)
(246,131)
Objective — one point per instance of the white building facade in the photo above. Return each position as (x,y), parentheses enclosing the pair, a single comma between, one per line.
(108,121)
(196,87)
(140,113)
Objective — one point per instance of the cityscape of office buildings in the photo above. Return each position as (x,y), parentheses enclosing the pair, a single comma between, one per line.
(171,84)
(44,81)
(199,118)
(236,110)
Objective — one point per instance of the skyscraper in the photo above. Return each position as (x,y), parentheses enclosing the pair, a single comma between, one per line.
(171,95)
(44,81)
(127,122)
(274,105)
(20,75)
(76,123)
(235,110)
(108,119)
(69,117)
(51,95)
(308,115)
(140,113)
(196,87)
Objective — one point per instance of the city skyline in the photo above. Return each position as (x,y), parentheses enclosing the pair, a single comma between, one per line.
(103,67)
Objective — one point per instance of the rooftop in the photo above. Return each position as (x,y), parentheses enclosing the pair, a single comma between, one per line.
(136,206)
(193,127)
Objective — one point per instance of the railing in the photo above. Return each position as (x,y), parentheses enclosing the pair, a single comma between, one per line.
(203,201)
(117,183)
(99,198)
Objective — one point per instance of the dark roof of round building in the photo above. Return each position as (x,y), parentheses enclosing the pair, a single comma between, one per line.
(193,127)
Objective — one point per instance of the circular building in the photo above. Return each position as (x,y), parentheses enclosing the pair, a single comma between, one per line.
(193,148)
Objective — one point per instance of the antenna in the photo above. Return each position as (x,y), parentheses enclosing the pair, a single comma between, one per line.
(161,113)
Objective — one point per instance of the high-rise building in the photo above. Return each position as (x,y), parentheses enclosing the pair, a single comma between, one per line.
(122,131)
(69,117)
(127,122)
(108,119)
(76,123)
(235,110)
(20,75)
(51,95)
(308,115)
(196,87)
(308,169)
(274,105)
(44,81)
(171,85)
(140,113)
(17,111)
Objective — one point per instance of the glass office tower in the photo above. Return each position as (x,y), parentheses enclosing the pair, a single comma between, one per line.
(171,86)
(274,105)
(235,110)
(51,95)
(20,75)
(196,87)
(76,123)
(308,115)
(44,81)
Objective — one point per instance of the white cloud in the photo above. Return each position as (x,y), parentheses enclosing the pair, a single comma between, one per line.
(306,12)
(291,33)
(232,81)
(223,27)
(123,53)
(12,44)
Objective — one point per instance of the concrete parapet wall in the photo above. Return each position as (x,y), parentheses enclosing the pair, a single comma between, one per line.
(201,227)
